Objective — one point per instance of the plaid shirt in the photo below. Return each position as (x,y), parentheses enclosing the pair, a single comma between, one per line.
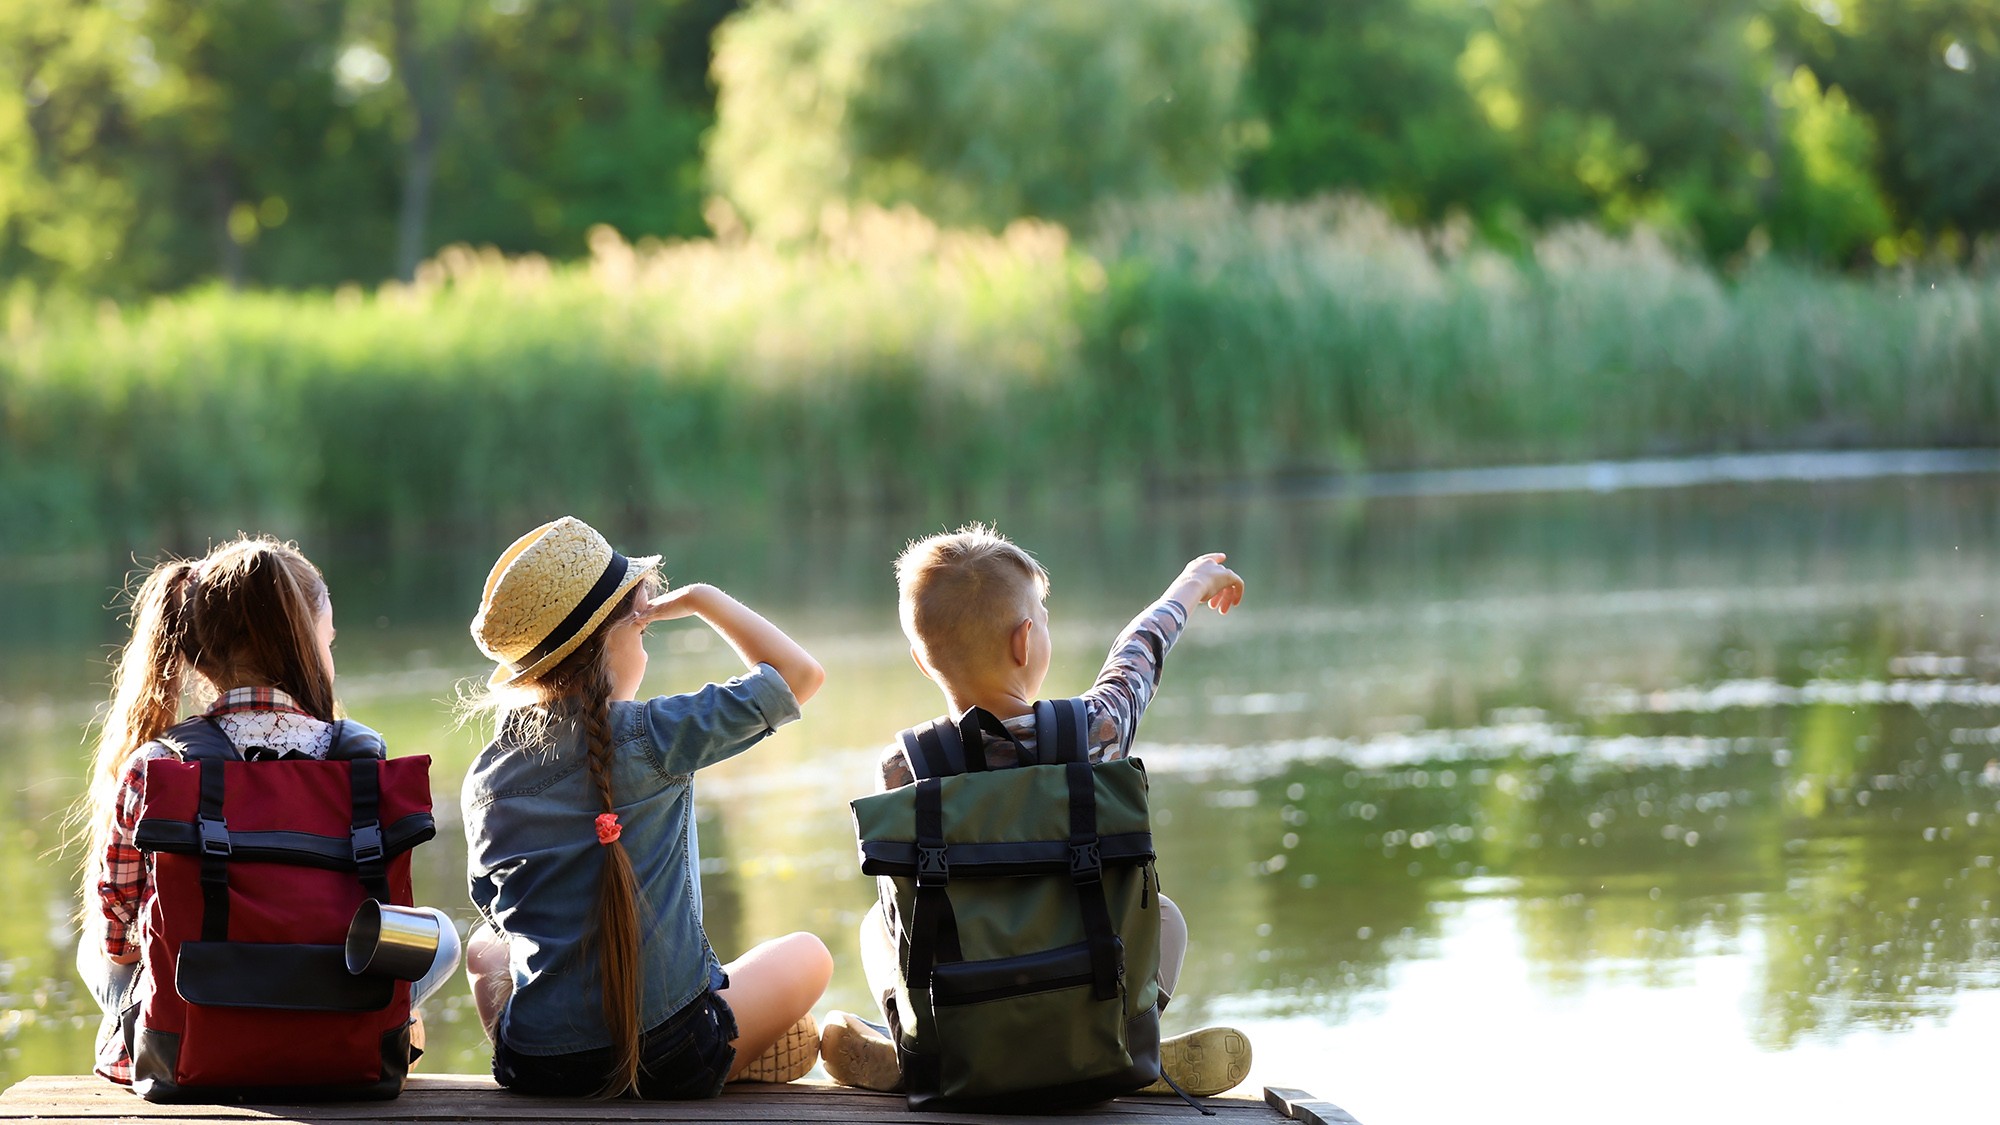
(1112,706)
(251,716)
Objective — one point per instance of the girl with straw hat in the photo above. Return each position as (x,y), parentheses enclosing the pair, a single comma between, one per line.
(592,972)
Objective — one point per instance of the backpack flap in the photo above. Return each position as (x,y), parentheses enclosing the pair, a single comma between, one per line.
(291,978)
(1008,822)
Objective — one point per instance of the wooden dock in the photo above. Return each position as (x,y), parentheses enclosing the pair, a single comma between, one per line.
(467,1097)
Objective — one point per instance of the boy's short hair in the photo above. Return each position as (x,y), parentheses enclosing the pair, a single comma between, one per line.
(960,594)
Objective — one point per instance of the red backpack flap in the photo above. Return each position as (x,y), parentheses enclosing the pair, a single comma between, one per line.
(247,993)
(302,795)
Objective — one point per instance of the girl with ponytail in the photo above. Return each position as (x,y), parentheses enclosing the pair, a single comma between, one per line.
(592,972)
(246,632)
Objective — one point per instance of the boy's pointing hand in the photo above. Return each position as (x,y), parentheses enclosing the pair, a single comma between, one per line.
(1206,580)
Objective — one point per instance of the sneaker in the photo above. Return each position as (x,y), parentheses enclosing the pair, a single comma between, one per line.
(789,1058)
(1203,1062)
(859,1053)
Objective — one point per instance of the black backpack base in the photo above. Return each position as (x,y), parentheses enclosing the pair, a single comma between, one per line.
(156,1054)
(922,1074)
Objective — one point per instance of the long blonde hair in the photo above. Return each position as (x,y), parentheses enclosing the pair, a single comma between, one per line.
(245,614)
(578,689)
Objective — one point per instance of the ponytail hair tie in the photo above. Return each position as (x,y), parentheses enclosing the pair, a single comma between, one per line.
(608,828)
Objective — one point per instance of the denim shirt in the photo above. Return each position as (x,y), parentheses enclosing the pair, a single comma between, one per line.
(533,859)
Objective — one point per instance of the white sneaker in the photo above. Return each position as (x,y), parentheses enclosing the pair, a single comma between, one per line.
(859,1053)
(1203,1062)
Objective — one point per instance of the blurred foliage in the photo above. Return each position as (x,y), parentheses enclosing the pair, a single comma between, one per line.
(148,145)
(1188,341)
(975,111)
(1693,117)
(1367,96)
(1926,73)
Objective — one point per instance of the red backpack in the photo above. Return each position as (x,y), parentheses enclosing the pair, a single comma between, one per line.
(259,866)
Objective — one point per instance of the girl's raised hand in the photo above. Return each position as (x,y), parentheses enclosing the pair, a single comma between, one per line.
(682,601)
(756,640)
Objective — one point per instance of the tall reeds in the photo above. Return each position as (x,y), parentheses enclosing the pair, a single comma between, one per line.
(897,363)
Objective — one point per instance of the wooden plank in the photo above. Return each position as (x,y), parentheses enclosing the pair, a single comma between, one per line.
(459,1097)
(1306,1109)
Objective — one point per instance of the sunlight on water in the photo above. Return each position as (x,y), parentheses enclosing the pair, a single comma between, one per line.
(1690,798)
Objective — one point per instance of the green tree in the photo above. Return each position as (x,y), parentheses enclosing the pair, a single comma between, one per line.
(576,113)
(1927,75)
(153,145)
(1365,96)
(975,111)
(1657,110)
(71,109)
(1829,204)
(1680,114)
(261,174)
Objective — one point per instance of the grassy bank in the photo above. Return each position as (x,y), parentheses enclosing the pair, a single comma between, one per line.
(901,364)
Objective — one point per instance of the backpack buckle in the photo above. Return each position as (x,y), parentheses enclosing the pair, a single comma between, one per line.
(367,841)
(1085,864)
(214,836)
(932,870)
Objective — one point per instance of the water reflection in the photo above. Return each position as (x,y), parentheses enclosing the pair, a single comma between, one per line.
(1739,748)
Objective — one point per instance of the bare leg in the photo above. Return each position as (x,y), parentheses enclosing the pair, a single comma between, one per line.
(491,975)
(770,987)
(1173,944)
(878,957)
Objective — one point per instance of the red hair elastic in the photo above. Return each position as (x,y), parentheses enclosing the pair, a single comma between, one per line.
(608,828)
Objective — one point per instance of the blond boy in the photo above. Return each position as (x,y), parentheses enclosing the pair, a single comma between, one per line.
(973,607)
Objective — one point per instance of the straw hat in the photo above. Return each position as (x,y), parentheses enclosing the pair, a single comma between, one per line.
(549,590)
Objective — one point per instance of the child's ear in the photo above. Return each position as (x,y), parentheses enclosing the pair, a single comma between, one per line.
(921,666)
(1018,643)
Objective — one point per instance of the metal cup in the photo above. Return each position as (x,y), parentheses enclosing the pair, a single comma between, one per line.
(391,941)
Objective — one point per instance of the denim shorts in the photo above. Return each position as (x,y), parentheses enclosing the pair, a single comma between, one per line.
(687,1056)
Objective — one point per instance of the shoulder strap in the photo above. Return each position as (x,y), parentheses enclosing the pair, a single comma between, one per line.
(935,749)
(351,740)
(943,747)
(200,739)
(1059,734)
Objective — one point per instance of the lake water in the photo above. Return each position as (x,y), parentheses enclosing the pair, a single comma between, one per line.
(1662,806)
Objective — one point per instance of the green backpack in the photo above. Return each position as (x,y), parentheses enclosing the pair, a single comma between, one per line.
(1026,915)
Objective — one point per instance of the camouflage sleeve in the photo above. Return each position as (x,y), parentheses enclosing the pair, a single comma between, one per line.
(895,771)
(1130,676)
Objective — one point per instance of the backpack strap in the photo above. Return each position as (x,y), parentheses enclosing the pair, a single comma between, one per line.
(1059,732)
(198,739)
(213,832)
(1086,874)
(975,727)
(351,740)
(364,780)
(933,926)
(940,748)
(201,740)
